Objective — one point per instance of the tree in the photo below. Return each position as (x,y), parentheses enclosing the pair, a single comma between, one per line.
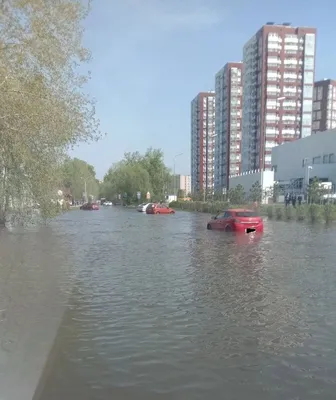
(315,191)
(237,195)
(77,174)
(43,109)
(256,192)
(126,179)
(159,177)
(181,194)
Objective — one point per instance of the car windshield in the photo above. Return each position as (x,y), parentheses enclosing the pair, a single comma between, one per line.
(247,214)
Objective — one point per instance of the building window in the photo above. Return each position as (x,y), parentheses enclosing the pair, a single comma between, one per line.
(319,93)
(310,44)
(317,160)
(307,106)
(326,159)
(308,77)
(308,91)
(306,131)
(307,119)
(308,63)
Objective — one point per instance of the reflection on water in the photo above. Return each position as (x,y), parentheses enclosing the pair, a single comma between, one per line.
(162,308)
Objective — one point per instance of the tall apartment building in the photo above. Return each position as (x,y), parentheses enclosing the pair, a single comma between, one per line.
(228,125)
(202,141)
(181,182)
(278,79)
(324,105)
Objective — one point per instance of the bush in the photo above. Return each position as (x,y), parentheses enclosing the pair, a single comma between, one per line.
(314,211)
(300,213)
(329,213)
(270,212)
(279,213)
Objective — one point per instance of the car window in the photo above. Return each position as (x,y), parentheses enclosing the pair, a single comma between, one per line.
(246,214)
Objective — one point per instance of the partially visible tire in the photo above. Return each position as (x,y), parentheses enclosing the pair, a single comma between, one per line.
(172,212)
(228,228)
(209,227)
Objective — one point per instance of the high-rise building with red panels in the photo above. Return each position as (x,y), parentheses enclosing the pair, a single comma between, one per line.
(203,142)
(278,81)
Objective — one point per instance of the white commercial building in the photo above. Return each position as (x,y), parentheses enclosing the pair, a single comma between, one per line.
(247,179)
(302,160)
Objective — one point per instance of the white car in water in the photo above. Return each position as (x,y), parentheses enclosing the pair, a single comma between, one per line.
(107,203)
(142,207)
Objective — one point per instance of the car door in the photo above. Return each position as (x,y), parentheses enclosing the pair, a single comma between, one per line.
(219,221)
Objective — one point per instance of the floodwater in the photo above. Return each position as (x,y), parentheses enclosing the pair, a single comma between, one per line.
(157,307)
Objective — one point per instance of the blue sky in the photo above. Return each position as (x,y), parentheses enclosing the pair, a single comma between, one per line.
(151,57)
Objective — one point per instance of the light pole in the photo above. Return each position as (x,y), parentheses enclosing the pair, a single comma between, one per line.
(174,186)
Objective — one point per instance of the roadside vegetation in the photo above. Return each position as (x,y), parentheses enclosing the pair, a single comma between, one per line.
(315,210)
(43,108)
(137,173)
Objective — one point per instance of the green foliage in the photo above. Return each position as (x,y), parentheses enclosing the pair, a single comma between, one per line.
(270,212)
(289,212)
(256,192)
(329,212)
(301,213)
(315,192)
(314,212)
(180,194)
(77,173)
(279,212)
(237,195)
(136,172)
(43,108)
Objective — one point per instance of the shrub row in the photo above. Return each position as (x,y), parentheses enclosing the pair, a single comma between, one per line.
(305,212)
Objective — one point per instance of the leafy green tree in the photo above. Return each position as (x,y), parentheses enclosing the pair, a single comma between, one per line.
(127,179)
(180,194)
(159,177)
(256,192)
(77,174)
(315,192)
(43,108)
(237,195)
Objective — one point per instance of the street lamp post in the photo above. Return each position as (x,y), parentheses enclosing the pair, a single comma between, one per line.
(174,186)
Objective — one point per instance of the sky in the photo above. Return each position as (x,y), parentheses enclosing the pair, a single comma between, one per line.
(150,58)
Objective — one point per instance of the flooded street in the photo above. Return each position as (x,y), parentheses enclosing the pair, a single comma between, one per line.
(157,307)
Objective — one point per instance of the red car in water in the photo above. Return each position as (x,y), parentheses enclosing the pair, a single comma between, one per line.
(237,220)
(159,209)
(89,207)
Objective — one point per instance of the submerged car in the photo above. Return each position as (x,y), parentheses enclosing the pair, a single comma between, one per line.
(89,207)
(142,207)
(237,220)
(159,209)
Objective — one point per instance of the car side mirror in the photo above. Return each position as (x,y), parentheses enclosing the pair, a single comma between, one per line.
(215,217)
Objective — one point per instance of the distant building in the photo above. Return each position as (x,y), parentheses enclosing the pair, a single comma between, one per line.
(278,79)
(228,126)
(202,142)
(300,161)
(181,182)
(324,105)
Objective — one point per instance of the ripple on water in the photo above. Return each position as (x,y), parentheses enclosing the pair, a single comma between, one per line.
(163,308)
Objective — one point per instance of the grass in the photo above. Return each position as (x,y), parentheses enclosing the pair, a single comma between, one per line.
(305,212)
